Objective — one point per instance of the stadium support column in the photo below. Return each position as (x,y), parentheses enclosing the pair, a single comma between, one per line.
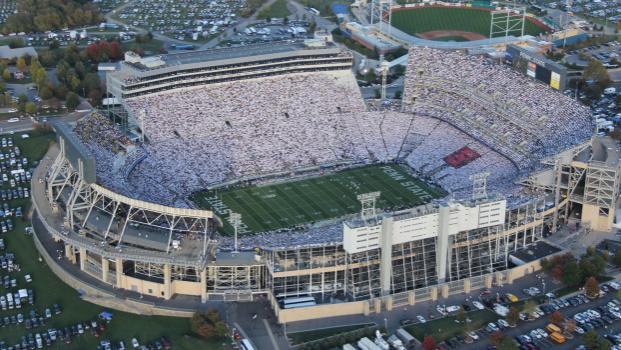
(167,282)
(557,193)
(82,258)
(442,243)
(119,272)
(204,285)
(105,266)
(386,255)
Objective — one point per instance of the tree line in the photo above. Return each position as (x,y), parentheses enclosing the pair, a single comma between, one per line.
(43,15)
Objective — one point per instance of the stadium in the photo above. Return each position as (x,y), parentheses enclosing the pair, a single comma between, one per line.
(335,206)
(452,23)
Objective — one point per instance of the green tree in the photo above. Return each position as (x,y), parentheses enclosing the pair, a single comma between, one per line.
(591,340)
(31,108)
(40,77)
(45,93)
(461,316)
(571,273)
(208,324)
(6,74)
(34,66)
(60,91)
(21,64)
(507,344)
(529,307)
(73,100)
(513,316)
(596,72)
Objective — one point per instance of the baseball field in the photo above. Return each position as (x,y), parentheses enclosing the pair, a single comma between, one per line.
(469,23)
(287,204)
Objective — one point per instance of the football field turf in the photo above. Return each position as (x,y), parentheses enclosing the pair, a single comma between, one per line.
(286,204)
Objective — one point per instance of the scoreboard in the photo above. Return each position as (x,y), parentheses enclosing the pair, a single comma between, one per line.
(538,67)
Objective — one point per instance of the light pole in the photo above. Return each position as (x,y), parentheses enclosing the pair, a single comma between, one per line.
(386,324)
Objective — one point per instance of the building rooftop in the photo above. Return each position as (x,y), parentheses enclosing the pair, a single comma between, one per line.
(187,57)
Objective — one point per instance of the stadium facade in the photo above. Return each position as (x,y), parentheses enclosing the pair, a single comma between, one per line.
(380,259)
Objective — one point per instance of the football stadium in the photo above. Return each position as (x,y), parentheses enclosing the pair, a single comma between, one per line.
(229,174)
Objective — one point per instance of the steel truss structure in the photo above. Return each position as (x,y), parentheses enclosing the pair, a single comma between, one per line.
(507,21)
(381,14)
(121,222)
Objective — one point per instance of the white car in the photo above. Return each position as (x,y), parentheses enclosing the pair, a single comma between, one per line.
(453,308)
(473,335)
(579,330)
(13,120)
(28,278)
(543,333)
(135,343)
(441,309)
(421,319)
(503,323)
(492,327)
(478,305)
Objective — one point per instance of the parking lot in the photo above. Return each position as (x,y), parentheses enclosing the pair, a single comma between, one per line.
(275,30)
(182,20)
(7,8)
(605,53)
(535,331)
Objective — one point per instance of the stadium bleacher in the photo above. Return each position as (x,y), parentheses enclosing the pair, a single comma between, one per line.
(458,122)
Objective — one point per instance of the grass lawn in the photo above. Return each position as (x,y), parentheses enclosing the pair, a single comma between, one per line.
(428,19)
(303,337)
(277,10)
(325,197)
(48,290)
(445,328)
(153,46)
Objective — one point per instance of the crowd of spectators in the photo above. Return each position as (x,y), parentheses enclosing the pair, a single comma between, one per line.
(517,116)
(204,136)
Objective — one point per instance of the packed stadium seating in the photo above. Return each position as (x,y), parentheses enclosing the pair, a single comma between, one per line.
(515,115)
(209,135)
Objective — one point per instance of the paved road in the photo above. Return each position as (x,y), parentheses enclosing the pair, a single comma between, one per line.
(426,308)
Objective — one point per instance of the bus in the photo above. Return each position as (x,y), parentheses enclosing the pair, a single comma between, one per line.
(245,344)
(557,337)
(552,328)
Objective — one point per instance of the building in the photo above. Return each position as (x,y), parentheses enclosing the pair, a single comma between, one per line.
(378,260)
(10,54)
(538,67)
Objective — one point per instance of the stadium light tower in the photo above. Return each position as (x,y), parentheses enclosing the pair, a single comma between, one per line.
(142,115)
(367,203)
(507,21)
(235,221)
(479,185)
(381,14)
(384,71)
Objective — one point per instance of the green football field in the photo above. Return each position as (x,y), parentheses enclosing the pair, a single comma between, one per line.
(428,19)
(287,204)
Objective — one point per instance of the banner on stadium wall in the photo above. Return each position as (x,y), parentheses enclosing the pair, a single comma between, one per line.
(555,80)
(531,69)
